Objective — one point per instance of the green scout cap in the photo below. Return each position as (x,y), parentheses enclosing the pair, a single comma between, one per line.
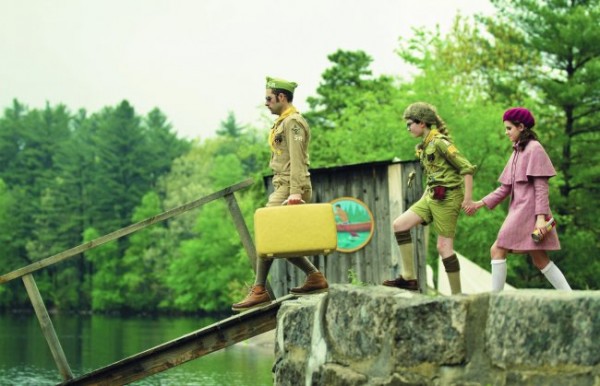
(281,83)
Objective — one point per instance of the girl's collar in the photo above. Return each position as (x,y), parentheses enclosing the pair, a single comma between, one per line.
(430,136)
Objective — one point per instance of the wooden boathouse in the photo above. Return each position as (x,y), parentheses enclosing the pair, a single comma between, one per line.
(387,188)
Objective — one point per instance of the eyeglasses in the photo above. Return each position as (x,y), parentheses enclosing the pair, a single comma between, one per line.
(409,124)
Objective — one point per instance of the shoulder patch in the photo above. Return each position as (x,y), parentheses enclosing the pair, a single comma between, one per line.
(450,148)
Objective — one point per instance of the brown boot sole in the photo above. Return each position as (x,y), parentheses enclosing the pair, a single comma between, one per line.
(314,292)
(242,309)
(413,289)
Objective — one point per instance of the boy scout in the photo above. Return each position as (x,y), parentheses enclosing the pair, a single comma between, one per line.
(289,139)
(449,186)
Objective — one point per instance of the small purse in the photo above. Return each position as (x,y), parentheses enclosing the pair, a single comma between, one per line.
(439,192)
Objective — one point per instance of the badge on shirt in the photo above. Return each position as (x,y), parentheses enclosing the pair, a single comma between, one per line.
(451,148)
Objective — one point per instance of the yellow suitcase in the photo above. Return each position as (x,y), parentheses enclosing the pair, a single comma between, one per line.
(295,230)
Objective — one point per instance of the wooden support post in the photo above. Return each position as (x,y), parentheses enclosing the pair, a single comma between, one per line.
(47,327)
(242,228)
(414,192)
(397,205)
(420,256)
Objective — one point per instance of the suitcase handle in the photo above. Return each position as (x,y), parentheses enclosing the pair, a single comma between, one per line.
(286,202)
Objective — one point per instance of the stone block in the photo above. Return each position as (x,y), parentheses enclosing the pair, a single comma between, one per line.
(380,326)
(544,328)
(299,346)
(332,374)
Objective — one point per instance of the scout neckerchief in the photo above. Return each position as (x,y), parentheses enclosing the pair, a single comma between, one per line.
(425,142)
(290,110)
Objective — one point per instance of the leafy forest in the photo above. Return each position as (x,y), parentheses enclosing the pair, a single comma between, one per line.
(68,177)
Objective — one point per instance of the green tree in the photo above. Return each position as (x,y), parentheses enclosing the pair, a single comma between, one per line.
(244,143)
(349,76)
(143,262)
(209,259)
(230,127)
(67,172)
(162,143)
(469,60)
(29,141)
(355,117)
(207,265)
(105,282)
(212,268)
(121,173)
(32,140)
(8,248)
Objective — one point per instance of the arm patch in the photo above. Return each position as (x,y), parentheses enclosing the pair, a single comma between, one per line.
(450,148)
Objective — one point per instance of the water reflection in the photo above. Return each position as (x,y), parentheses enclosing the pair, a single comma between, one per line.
(90,342)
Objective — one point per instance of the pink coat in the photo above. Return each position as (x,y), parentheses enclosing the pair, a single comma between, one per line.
(525,179)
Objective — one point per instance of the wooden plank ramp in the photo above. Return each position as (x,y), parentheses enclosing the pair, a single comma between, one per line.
(191,346)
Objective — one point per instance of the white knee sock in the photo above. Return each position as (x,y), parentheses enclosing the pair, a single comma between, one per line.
(498,275)
(556,277)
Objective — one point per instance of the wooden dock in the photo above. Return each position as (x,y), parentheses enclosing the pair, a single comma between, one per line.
(170,354)
(191,346)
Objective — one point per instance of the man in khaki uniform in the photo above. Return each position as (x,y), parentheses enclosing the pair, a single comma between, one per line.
(289,139)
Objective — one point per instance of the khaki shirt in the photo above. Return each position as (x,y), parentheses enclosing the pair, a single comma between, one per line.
(444,164)
(290,161)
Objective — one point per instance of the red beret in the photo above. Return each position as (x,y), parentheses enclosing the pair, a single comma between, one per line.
(519,114)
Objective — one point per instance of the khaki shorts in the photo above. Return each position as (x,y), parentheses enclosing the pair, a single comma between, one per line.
(442,213)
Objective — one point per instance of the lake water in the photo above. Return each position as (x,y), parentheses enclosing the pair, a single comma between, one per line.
(94,341)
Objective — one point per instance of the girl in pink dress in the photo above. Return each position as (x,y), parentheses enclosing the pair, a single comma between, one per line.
(525,180)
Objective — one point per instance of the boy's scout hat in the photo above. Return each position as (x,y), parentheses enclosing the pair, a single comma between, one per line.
(422,112)
(281,83)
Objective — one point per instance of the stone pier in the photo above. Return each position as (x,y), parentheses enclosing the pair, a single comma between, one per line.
(374,335)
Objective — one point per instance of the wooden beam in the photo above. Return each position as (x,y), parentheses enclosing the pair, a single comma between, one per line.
(414,191)
(47,327)
(196,344)
(397,206)
(121,232)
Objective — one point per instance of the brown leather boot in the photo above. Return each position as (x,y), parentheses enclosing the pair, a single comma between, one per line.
(314,283)
(401,282)
(257,296)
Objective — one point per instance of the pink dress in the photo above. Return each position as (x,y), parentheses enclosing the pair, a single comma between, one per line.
(525,179)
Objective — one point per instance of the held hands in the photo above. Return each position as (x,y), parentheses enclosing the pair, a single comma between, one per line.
(470,206)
